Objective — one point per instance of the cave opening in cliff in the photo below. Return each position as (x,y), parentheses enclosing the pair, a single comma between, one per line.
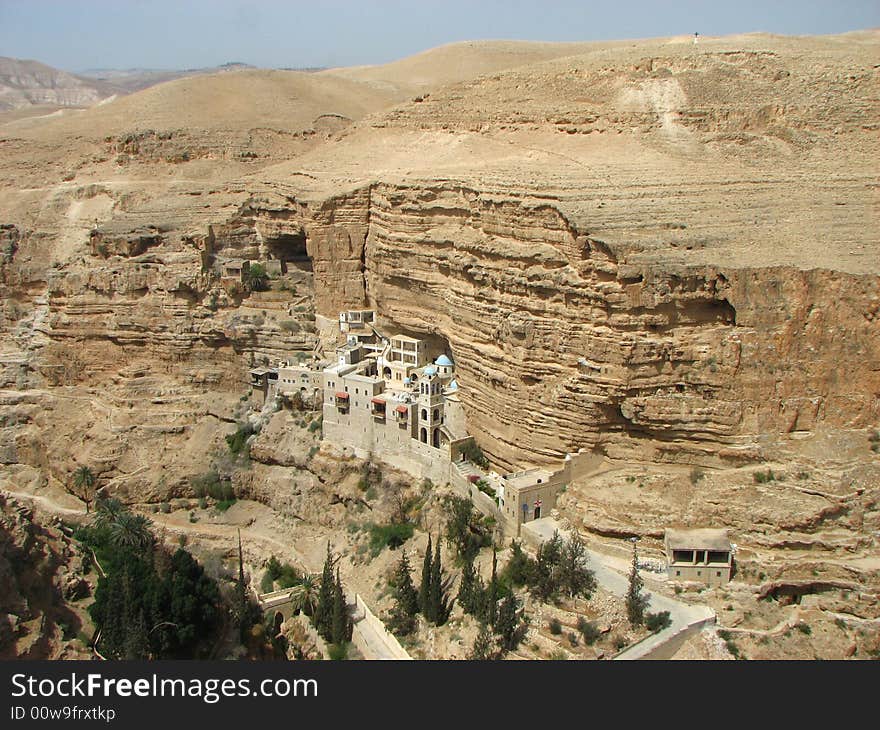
(290,248)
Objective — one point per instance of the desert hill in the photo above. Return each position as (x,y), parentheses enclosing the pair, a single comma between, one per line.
(26,83)
(460,61)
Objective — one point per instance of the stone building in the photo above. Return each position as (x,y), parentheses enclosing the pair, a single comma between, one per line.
(234,270)
(530,494)
(263,379)
(703,555)
(298,378)
(383,397)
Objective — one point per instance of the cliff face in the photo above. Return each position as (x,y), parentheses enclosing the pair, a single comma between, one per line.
(560,344)
(667,252)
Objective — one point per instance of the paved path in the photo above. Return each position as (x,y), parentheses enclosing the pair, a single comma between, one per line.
(611,574)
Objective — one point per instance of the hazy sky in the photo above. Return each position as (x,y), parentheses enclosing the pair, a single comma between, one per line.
(80,34)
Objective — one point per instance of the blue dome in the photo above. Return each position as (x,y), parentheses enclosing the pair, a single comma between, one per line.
(453,385)
(430,370)
(443,360)
(407,381)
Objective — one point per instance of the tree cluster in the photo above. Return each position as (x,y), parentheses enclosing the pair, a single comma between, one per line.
(150,603)
(560,568)
(331,616)
(433,599)
(502,626)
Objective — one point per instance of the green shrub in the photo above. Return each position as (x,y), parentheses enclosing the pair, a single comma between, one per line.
(203,503)
(762,477)
(211,485)
(237,441)
(165,508)
(804,629)
(588,630)
(392,536)
(696,475)
(555,626)
(572,638)
(338,652)
(267,584)
(655,622)
(474,453)
(225,504)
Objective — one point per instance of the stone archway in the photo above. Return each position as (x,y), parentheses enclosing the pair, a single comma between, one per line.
(435,438)
(424,435)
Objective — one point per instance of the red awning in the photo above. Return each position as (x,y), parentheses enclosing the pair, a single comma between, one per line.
(402,409)
(342,396)
(378,401)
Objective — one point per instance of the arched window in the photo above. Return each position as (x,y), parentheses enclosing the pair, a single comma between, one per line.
(424,435)
(424,414)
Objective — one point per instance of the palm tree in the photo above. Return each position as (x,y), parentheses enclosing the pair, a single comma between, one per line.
(131,531)
(84,484)
(107,511)
(256,278)
(304,597)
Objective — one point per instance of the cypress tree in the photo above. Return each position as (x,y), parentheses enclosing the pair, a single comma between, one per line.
(484,645)
(492,592)
(323,618)
(404,591)
(340,630)
(471,590)
(425,586)
(636,601)
(436,586)
(510,623)
(242,614)
(520,568)
(402,620)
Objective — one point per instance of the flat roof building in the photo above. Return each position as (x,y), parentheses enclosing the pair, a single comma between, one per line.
(702,555)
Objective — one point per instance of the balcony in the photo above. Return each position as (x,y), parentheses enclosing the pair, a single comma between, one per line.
(378,408)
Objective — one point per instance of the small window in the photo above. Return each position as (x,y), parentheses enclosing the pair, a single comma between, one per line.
(678,572)
(699,572)
(717,573)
